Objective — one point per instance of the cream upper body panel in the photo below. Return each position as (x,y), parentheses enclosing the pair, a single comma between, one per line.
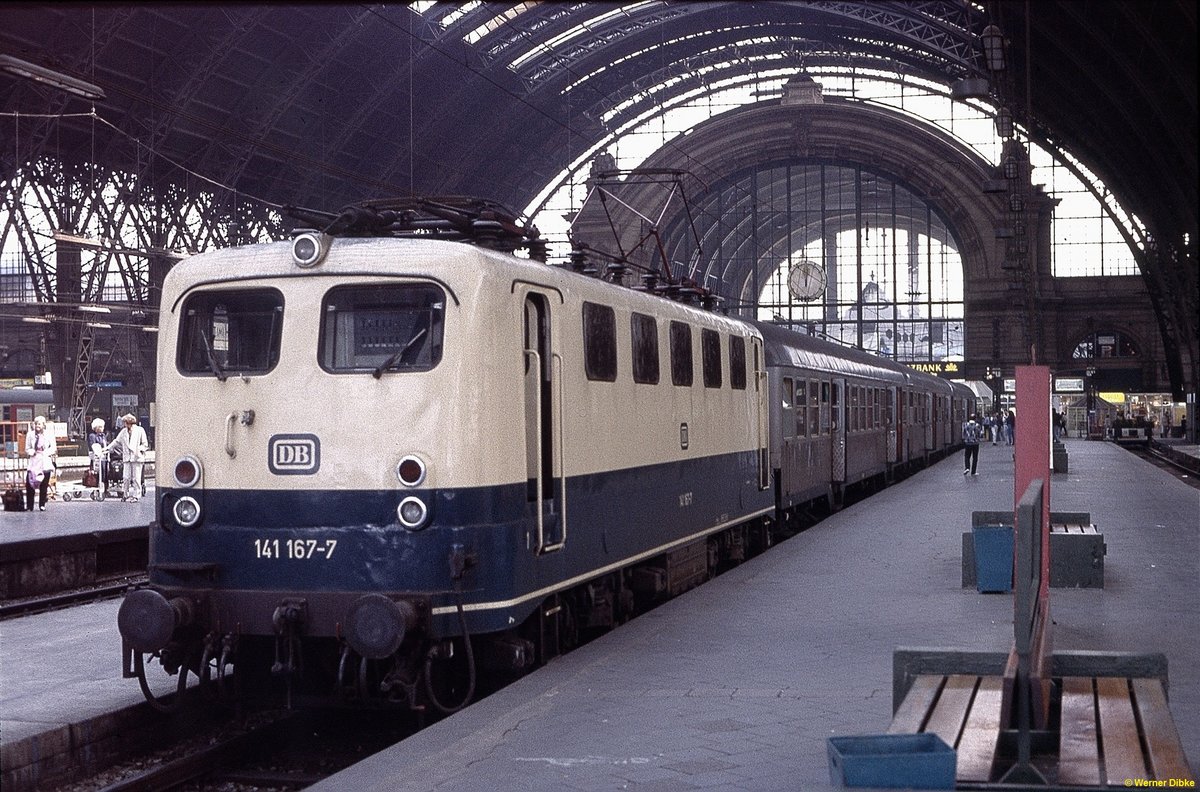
(463,416)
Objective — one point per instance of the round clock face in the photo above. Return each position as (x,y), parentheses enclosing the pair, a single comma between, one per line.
(806,280)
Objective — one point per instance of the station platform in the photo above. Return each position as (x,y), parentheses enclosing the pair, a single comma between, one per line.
(738,683)
(75,518)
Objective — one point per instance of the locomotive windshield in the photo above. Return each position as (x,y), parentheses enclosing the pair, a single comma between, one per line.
(230,332)
(395,327)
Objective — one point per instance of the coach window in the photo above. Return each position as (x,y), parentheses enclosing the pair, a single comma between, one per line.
(382,327)
(643,331)
(825,427)
(814,408)
(681,354)
(737,363)
(230,332)
(801,409)
(710,357)
(785,404)
(599,342)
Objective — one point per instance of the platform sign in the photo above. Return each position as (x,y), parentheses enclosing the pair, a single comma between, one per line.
(1068,384)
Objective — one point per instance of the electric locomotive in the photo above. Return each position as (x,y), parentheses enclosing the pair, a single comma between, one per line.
(389,459)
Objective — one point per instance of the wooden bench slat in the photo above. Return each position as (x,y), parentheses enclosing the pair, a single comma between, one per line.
(981,733)
(910,716)
(1078,750)
(1166,757)
(946,720)
(1118,731)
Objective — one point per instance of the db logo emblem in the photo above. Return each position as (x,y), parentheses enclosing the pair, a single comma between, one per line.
(294,454)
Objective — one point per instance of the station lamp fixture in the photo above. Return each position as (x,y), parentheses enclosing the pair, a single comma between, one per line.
(993,48)
(1004,123)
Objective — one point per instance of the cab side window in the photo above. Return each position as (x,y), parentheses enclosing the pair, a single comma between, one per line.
(681,354)
(599,342)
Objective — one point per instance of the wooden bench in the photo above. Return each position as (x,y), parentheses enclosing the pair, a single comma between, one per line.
(964,710)
(1114,724)
(1113,730)
(1077,553)
(1077,549)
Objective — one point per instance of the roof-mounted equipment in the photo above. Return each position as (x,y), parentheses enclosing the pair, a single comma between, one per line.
(476,221)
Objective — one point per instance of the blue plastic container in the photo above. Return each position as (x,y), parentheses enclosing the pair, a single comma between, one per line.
(993,558)
(892,761)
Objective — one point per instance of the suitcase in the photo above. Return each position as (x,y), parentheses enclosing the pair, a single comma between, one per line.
(14,500)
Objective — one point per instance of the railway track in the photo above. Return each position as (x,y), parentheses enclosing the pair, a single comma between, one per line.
(25,606)
(1187,471)
(275,749)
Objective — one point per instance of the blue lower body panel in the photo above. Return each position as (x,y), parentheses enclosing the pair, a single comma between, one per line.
(307,543)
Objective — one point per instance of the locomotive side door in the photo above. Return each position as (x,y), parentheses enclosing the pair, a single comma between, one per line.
(545,474)
(838,427)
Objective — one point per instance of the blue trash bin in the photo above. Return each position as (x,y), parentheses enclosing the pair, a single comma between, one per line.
(891,761)
(993,558)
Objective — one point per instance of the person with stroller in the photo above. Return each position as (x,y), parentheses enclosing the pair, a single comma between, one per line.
(41,450)
(96,440)
(133,445)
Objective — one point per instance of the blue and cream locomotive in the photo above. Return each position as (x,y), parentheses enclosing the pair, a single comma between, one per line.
(389,460)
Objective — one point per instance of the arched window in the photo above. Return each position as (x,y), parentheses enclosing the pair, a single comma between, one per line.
(833,250)
(1105,344)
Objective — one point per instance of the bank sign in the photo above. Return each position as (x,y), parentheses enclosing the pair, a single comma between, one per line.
(294,454)
(951,369)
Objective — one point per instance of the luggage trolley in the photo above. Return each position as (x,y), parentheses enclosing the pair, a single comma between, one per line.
(103,484)
(13,485)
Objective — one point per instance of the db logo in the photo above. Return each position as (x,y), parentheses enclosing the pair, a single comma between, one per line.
(294,454)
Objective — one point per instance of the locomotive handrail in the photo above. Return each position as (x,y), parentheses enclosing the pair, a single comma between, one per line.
(230,420)
(562,461)
(539,486)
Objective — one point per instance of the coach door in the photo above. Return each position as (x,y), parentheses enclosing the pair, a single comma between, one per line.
(838,427)
(891,411)
(762,383)
(545,478)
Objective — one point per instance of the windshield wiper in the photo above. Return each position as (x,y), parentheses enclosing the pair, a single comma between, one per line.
(212,359)
(395,356)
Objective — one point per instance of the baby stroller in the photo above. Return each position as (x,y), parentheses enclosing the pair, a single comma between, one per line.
(112,475)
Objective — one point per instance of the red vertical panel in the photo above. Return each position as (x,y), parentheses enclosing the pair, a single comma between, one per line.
(1032,445)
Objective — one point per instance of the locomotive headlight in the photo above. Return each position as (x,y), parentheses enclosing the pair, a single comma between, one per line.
(186,511)
(309,248)
(187,471)
(412,512)
(411,471)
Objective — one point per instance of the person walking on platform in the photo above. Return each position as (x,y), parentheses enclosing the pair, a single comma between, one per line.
(41,450)
(972,434)
(133,445)
(1010,427)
